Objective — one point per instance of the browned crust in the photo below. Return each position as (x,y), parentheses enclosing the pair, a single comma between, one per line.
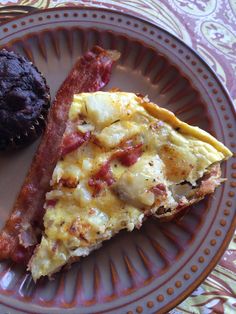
(208,184)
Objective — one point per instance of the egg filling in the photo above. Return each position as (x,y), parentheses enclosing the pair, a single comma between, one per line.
(119,163)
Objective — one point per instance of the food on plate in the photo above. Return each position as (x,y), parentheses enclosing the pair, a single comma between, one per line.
(122,158)
(24,101)
(22,230)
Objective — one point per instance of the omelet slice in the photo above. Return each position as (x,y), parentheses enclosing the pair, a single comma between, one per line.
(122,158)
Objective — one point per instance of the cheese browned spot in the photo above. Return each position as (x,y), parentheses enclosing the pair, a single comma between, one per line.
(119,163)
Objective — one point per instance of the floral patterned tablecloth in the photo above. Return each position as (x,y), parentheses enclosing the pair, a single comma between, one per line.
(209,26)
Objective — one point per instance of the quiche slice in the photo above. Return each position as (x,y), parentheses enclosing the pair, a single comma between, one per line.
(122,158)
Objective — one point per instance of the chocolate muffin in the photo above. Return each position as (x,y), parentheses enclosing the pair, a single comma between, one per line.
(24,101)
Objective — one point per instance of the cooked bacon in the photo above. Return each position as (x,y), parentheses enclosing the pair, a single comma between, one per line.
(89,74)
(210,181)
(129,155)
(51,203)
(159,189)
(73,141)
(102,178)
(27,236)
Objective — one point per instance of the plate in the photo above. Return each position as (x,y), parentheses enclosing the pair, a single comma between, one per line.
(157,267)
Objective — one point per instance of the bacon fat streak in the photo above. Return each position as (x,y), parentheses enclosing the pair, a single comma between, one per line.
(23,228)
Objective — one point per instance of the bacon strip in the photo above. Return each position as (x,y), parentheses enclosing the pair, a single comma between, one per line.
(23,229)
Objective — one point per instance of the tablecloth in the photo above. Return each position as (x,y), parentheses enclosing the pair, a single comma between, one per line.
(209,26)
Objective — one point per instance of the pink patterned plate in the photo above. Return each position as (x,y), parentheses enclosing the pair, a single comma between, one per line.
(157,267)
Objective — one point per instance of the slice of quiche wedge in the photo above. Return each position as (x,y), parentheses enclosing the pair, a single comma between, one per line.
(122,158)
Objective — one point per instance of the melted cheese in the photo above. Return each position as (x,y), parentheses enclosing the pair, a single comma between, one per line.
(76,220)
(115,133)
(135,183)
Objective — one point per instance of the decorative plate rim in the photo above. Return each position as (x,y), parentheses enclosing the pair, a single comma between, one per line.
(142,19)
(229,233)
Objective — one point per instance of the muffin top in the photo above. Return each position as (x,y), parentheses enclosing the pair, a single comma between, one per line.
(24,96)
